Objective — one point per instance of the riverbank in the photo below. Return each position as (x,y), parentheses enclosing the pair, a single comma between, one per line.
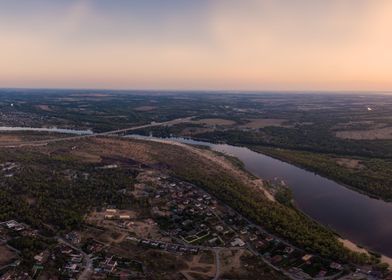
(314,195)
(239,172)
(355,248)
(339,169)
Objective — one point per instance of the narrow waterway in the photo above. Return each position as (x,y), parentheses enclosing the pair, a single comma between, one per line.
(52,129)
(357,217)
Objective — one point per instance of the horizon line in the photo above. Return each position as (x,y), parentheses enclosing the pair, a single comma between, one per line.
(229,91)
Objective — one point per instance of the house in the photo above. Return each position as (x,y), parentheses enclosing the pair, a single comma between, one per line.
(276,259)
(213,241)
(336,266)
(322,273)
(289,250)
(260,244)
(125,217)
(219,228)
(269,239)
(110,264)
(42,257)
(307,257)
(237,242)
(253,237)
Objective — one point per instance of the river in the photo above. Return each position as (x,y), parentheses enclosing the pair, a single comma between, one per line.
(50,129)
(354,216)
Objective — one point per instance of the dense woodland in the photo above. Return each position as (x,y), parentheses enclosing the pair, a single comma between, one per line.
(54,192)
(313,139)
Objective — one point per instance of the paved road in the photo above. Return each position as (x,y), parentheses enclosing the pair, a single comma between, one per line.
(87,261)
(45,142)
(217,264)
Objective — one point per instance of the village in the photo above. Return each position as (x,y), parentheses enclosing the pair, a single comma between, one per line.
(170,218)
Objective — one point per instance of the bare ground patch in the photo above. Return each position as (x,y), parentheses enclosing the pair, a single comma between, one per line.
(93,150)
(44,107)
(4,138)
(6,255)
(145,108)
(214,122)
(198,267)
(231,260)
(91,95)
(350,163)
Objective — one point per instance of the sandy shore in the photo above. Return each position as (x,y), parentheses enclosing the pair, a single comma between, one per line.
(355,248)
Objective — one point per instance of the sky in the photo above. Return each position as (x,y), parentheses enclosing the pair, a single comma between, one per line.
(197,44)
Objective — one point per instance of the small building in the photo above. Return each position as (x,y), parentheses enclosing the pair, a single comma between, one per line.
(289,250)
(237,243)
(307,257)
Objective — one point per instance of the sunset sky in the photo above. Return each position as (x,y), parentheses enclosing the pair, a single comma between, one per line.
(197,44)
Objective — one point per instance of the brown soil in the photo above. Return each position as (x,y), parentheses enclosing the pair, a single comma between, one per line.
(350,163)
(4,138)
(44,107)
(231,260)
(6,255)
(214,122)
(197,268)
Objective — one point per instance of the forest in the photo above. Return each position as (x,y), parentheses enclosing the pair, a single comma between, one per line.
(55,192)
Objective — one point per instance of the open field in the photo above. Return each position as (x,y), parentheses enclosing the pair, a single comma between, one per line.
(145,108)
(13,137)
(223,122)
(350,163)
(261,123)
(44,107)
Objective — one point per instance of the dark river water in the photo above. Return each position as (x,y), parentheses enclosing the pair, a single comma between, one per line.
(357,217)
